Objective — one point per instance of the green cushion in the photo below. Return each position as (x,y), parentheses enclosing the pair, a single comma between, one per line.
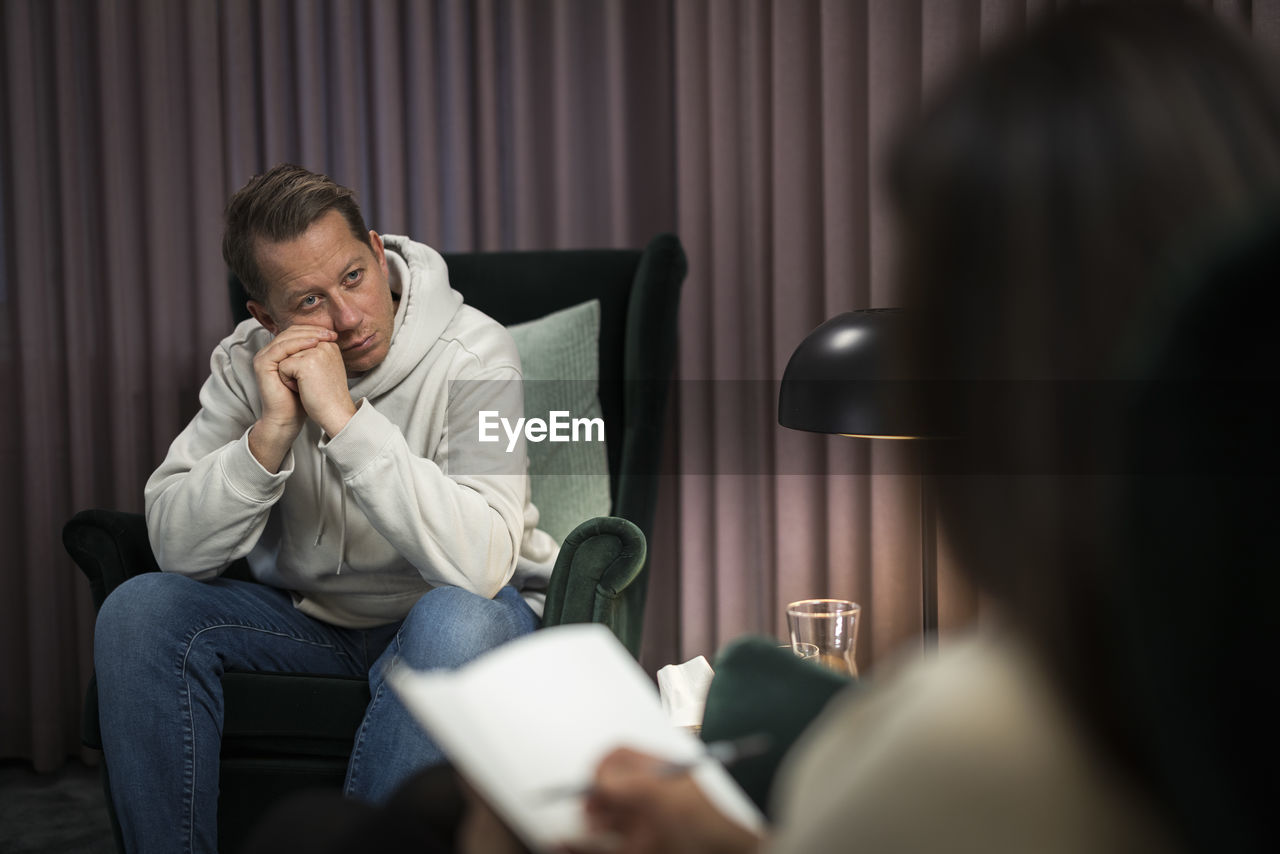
(560,357)
(759,687)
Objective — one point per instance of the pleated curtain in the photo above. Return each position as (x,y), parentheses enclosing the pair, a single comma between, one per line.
(754,129)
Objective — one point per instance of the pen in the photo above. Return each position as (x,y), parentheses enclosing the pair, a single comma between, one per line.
(726,752)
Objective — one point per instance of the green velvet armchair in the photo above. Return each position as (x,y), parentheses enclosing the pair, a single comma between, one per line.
(284,732)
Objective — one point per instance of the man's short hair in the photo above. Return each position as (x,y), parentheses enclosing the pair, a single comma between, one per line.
(276,206)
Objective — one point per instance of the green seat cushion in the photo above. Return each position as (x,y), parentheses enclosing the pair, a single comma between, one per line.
(291,714)
(561,362)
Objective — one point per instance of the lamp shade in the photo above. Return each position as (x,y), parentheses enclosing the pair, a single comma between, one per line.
(846,377)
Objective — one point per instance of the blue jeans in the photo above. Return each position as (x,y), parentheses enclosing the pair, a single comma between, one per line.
(163,641)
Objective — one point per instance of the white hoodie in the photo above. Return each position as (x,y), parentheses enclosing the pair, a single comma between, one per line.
(359,525)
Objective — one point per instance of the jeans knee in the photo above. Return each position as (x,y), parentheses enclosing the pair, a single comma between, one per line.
(140,613)
(449,626)
(446,600)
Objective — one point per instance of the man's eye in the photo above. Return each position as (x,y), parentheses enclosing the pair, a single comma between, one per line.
(354,276)
(309,301)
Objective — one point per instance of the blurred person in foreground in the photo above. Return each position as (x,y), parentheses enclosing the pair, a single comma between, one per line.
(1045,201)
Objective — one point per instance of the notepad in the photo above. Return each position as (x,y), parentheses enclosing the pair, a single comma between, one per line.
(540,713)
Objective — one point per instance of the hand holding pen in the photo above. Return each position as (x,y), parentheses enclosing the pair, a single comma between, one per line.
(646,804)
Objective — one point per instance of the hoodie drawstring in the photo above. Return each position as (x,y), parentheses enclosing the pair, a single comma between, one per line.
(342,528)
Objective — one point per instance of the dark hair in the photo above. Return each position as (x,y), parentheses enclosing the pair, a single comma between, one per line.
(1196,634)
(1045,201)
(279,205)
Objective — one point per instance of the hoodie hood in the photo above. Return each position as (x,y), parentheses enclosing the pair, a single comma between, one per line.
(426,307)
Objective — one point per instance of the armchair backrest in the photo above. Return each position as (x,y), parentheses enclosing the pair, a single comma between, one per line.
(639,294)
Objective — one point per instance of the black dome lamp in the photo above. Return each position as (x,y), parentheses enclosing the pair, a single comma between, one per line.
(848,377)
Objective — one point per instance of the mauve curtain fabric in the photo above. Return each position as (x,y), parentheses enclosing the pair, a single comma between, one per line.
(753,129)
(126,125)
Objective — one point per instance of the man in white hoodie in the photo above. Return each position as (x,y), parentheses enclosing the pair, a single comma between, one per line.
(335,449)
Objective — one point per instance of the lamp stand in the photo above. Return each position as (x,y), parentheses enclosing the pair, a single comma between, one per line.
(928,561)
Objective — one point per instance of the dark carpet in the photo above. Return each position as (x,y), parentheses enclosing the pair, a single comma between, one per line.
(60,813)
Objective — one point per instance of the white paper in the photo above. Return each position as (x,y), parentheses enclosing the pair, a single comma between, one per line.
(540,713)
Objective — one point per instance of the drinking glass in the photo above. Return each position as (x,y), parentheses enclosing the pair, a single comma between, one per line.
(832,626)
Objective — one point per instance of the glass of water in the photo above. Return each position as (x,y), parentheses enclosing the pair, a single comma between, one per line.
(831,625)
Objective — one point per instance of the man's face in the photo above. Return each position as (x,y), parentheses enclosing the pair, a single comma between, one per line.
(326,277)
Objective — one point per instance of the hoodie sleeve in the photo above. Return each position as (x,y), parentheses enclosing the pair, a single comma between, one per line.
(457,517)
(208,502)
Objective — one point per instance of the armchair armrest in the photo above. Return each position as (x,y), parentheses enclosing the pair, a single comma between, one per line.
(598,562)
(110,547)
